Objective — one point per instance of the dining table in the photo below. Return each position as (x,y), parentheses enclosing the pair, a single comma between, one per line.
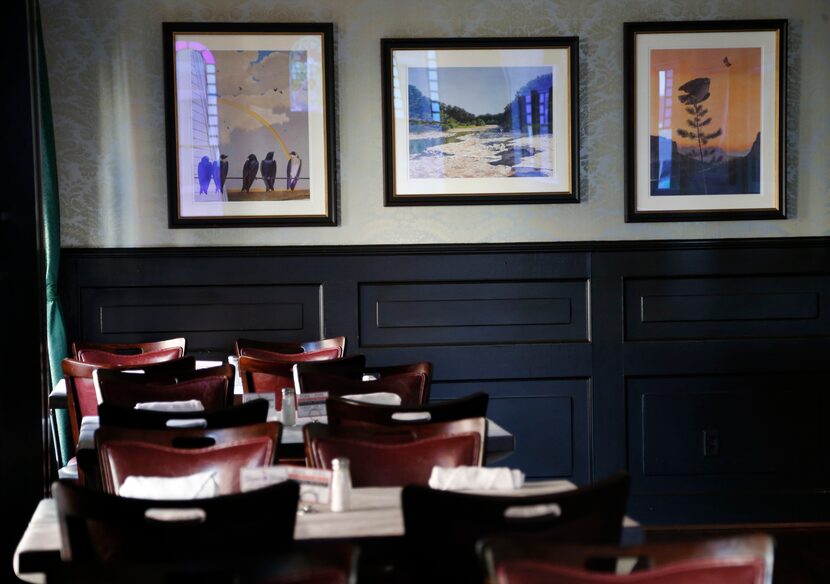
(375,513)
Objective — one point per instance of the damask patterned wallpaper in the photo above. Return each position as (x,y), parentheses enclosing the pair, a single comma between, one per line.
(105,70)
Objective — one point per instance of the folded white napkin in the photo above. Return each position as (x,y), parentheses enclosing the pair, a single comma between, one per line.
(186,423)
(207,364)
(412,416)
(190,405)
(196,486)
(382,398)
(475,478)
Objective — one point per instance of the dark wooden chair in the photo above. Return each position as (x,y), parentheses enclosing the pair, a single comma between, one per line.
(107,538)
(411,382)
(333,348)
(445,526)
(351,367)
(81,397)
(400,455)
(737,560)
(343,412)
(212,386)
(124,452)
(264,376)
(252,412)
(114,354)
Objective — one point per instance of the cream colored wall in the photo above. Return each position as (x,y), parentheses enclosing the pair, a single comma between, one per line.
(105,69)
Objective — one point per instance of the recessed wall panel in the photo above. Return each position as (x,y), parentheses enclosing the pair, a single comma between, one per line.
(548,417)
(210,317)
(724,308)
(448,313)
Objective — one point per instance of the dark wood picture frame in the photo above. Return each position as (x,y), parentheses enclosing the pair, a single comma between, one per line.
(551,174)
(746,57)
(284,72)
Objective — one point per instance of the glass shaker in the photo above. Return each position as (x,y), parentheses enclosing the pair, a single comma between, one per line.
(341,485)
(289,407)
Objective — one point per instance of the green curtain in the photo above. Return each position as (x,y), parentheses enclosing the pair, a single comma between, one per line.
(56,335)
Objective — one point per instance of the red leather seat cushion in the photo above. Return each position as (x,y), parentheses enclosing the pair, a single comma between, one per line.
(379,463)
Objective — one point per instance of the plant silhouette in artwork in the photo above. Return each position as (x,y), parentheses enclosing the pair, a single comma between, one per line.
(694,93)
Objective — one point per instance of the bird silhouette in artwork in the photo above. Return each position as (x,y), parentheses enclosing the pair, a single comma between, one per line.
(292,171)
(223,172)
(204,171)
(726,62)
(269,171)
(217,176)
(249,171)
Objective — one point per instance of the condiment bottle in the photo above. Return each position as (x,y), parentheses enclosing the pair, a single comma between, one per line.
(341,485)
(289,407)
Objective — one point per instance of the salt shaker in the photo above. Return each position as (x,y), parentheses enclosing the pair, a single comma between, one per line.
(289,407)
(341,484)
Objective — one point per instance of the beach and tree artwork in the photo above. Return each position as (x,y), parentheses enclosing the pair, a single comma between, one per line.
(479,122)
(705,123)
(250,128)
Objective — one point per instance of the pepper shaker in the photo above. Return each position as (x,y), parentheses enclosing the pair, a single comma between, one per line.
(289,407)
(341,485)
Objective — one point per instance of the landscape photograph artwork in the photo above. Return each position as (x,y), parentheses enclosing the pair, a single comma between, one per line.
(705,125)
(480,121)
(476,122)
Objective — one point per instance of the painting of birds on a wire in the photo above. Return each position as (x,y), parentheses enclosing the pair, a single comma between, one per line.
(251,137)
(249,117)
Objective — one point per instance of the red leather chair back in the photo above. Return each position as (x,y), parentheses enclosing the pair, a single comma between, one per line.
(106,359)
(333,348)
(745,571)
(400,456)
(251,412)
(446,525)
(81,397)
(409,386)
(321,355)
(342,412)
(744,559)
(123,452)
(212,386)
(113,354)
(117,535)
(262,376)
(411,382)
(120,459)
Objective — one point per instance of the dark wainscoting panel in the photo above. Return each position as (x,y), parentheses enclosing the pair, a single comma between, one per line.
(767,429)
(549,418)
(205,315)
(454,313)
(722,308)
(700,366)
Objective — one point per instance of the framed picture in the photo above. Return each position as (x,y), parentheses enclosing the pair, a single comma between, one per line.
(250,124)
(480,121)
(705,116)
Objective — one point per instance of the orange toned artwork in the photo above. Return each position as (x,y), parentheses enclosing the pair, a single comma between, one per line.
(705,121)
